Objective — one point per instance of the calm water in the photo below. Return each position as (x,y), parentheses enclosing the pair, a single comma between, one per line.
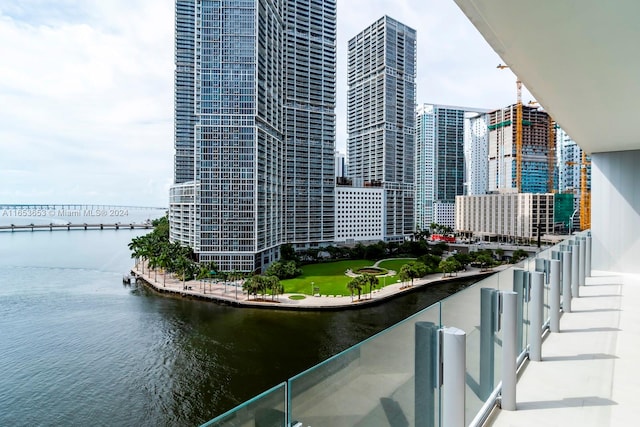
(78,348)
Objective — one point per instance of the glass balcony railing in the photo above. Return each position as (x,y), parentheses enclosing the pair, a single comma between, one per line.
(266,409)
(394,378)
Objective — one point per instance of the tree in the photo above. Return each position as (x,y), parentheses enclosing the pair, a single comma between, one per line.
(407,272)
(288,253)
(185,268)
(202,273)
(421,234)
(357,252)
(430,262)
(463,259)
(356,285)
(134,247)
(274,286)
(283,270)
(375,251)
(518,254)
(439,248)
(449,265)
(372,281)
(250,286)
(484,259)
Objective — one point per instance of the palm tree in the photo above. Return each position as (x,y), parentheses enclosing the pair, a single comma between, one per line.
(275,286)
(134,247)
(250,286)
(373,282)
(153,264)
(407,272)
(184,268)
(202,273)
(356,284)
(164,262)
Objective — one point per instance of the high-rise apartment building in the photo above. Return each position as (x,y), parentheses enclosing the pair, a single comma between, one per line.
(310,99)
(535,150)
(263,90)
(441,137)
(184,116)
(381,117)
(476,154)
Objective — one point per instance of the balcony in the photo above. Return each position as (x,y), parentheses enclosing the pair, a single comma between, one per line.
(445,366)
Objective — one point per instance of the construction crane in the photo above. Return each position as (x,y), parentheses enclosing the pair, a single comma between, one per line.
(518,130)
(585,193)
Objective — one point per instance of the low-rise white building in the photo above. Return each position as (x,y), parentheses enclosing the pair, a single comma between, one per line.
(182,214)
(506,216)
(359,214)
(444,213)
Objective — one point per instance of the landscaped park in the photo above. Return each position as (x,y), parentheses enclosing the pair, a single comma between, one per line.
(332,278)
(334,271)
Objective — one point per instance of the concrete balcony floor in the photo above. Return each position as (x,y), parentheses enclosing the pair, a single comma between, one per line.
(590,371)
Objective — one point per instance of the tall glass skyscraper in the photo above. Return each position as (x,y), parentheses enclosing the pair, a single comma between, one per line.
(381,117)
(233,167)
(442,134)
(310,99)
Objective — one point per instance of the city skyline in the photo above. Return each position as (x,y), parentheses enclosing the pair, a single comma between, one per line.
(102,109)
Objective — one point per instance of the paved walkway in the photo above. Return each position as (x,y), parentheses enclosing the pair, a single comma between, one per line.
(232,292)
(590,373)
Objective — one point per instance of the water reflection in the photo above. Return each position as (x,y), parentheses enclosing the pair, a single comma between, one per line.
(218,356)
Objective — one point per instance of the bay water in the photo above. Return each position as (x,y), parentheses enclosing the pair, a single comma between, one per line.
(78,347)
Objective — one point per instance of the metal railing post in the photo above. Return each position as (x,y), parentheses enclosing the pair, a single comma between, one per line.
(588,257)
(554,296)
(535,316)
(521,287)
(426,373)
(488,327)
(575,267)
(566,282)
(583,263)
(509,349)
(453,376)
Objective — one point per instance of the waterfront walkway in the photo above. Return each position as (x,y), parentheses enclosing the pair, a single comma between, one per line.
(589,373)
(231,292)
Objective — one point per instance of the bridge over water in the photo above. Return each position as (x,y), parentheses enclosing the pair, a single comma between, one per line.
(76,216)
(69,227)
(73,207)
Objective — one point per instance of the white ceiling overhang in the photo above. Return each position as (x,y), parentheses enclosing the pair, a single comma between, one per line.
(579,58)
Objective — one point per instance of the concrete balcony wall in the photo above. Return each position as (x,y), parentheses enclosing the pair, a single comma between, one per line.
(615,211)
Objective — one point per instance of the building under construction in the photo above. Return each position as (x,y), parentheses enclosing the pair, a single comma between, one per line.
(536,158)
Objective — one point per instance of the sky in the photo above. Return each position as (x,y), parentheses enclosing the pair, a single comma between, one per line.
(86,90)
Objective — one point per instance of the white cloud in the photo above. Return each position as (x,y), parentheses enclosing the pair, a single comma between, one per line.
(87,101)
(86,90)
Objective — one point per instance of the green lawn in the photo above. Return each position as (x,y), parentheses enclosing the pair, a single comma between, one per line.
(395,264)
(330,277)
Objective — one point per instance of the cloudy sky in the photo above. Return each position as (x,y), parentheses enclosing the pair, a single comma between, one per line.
(86,90)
